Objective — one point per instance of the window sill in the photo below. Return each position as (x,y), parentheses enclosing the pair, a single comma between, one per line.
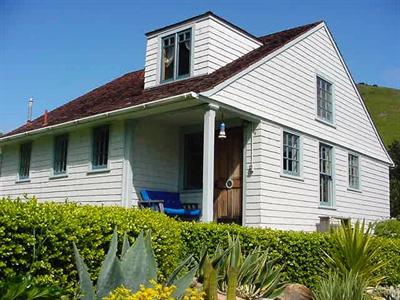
(298,178)
(327,207)
(98,171)
(26,180)
(58,176)
(354,190)
(325,122)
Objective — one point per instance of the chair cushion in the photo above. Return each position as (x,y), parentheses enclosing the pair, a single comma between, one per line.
(171,200)
(182,212)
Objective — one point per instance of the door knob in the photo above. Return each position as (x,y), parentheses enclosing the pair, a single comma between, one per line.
(229,183)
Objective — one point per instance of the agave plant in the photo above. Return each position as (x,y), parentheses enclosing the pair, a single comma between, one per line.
(136,266)
(251,276)
(354,250)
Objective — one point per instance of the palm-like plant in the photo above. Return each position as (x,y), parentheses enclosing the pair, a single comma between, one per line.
(354,250)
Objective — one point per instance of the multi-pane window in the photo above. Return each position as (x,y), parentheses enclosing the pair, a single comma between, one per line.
(325,174)
(60,154)
(291,154)
(354,172)
(324,100)
(193,161)
(176,54)
(100,147)
(24,160)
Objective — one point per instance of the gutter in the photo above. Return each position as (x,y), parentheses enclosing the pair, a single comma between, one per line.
(105,115)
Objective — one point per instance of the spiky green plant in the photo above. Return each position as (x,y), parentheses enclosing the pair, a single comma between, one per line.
(251,276)
(136,266)
(354,250)
(341,287)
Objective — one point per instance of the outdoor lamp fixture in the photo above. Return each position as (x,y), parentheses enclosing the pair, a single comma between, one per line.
(222,134)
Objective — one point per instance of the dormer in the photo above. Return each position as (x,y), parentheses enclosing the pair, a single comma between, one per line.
(193,47)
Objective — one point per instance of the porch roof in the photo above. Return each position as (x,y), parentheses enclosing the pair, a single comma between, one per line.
(128,90)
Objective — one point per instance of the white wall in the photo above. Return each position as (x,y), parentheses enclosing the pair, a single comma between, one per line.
(104,188)
(215,44)
(294,204)
(282,91)
(155,157)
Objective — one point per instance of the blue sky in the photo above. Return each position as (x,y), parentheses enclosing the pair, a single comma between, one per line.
(55,50)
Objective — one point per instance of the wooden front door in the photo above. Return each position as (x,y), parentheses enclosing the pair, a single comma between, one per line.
(228,176)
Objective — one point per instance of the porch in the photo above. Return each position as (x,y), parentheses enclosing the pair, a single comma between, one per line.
(181,151)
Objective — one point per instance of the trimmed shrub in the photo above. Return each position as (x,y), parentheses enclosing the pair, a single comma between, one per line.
(37,238)
(388,228)
(300,253)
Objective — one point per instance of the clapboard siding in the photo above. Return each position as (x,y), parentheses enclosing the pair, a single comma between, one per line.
(287,203)
(79,186)
(215,44)
(155,157)
(283,90)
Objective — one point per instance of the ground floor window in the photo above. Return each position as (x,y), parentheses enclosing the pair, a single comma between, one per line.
(60,154)
(354,172)
(101,135)
(193,161)
(325,175)
(25,160)
(291,154)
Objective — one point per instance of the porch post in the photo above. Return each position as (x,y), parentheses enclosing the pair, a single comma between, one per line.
(208,163)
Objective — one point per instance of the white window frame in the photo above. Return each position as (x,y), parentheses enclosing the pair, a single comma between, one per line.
(283,173)
(332,203)
(175,32)
(160,48)
(352,188)
(333,86)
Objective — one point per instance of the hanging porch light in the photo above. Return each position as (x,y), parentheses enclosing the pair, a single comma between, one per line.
(222,134)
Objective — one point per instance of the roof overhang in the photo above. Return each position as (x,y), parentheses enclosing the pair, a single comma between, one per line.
(185,97)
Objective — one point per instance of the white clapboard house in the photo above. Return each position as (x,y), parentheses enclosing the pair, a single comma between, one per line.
(300,145)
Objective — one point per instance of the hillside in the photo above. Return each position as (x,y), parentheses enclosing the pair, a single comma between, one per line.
(384,106)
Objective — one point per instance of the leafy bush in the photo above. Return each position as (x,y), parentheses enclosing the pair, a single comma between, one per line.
(26,287)
(300,253)
(37,238)
(388,228)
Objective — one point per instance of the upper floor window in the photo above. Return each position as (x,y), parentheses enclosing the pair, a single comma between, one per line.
(24,160)
(60,154)
(100,147)
(176,55)
(193,161)
(324,100)
(354,172)
(325,174)
(291,154)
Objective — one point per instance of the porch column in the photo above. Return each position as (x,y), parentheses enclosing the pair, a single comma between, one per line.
(208,163)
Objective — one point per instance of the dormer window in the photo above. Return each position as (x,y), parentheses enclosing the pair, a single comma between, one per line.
(176,55)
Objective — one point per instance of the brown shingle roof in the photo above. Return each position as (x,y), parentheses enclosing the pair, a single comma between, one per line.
(128,90)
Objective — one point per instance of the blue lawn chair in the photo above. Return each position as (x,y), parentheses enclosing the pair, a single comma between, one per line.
(170,204)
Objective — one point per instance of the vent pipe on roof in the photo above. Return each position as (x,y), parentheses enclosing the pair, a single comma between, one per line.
(45,118)
(30,104)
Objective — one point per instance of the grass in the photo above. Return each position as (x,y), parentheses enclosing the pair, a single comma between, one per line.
(384,106)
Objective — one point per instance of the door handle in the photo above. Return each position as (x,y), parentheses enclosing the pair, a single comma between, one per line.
(229,183)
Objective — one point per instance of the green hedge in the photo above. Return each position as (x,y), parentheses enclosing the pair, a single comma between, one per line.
(388,228)
(38,237)
(301,253)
